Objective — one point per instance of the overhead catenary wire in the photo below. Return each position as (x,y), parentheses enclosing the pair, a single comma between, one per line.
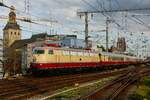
(98,11)
(28,29)
(117,2)
(141,22)
(103,8)
(138,21)
(107,21)
(114,10)
(32,31)
(119,10)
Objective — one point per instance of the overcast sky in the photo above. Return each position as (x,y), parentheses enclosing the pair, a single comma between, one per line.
(65,12)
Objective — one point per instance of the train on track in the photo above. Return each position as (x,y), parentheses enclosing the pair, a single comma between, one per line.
(54,59)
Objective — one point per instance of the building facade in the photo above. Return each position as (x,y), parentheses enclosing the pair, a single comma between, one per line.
(26,54)
(121,44)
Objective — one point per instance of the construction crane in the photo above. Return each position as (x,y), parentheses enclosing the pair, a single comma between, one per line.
(1,1)
(25,19)
(29,20)
(3,5)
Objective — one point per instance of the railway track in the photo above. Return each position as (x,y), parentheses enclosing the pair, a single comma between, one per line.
(31,86)
(112,90)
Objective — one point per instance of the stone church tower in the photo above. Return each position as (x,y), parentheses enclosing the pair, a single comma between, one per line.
(11,33)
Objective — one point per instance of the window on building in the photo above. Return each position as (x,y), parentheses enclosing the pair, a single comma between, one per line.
(15,33)
(18,33)
(11,33)
(38,52)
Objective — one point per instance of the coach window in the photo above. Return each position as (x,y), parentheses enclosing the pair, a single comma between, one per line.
(50,52)
(38,51)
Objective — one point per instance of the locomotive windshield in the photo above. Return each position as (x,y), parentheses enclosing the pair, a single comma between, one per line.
(38,52)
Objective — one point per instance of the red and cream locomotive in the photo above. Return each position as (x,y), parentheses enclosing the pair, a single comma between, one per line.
(47,59)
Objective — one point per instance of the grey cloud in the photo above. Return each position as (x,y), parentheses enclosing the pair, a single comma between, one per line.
(65,10)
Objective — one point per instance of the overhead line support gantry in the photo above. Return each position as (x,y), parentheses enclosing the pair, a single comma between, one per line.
(85,13)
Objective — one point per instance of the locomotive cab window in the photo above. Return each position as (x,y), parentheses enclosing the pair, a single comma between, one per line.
(38,52)
(50,52)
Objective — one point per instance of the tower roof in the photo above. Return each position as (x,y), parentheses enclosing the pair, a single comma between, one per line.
(12,26)
(12,14)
